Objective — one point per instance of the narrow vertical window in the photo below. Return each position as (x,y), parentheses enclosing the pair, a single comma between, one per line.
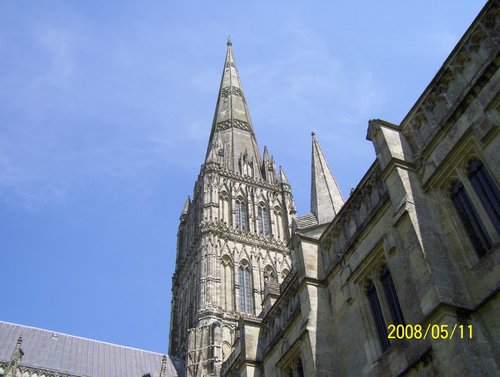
(246,304)
(391,296)
(486,190)
(470,219)
(263,220)
(241,215)
(376,310)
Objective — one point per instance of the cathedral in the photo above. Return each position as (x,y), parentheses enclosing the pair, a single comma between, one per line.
(401,278)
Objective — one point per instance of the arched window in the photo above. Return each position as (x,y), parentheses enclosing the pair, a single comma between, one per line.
(391,296)
(227,284)
(269,275)
(470,219)
(240,214)
(486,190)
(378,317)
(246,304)
(224,207)
(263,220)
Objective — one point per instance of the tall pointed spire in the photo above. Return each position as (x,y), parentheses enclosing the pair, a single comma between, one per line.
(326,198)
(232,136)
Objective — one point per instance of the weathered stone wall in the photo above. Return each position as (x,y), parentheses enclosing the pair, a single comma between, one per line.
(401,219)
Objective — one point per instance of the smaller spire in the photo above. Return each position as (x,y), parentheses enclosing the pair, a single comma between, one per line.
(283,178)
(229,42)
(185,210)
(326,198)
(266,154)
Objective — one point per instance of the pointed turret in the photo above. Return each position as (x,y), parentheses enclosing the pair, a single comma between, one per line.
(268,167)
(185,209)
(232,138)
(283,178)
(326,198)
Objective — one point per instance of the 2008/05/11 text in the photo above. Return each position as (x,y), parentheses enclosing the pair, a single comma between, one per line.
(431,331)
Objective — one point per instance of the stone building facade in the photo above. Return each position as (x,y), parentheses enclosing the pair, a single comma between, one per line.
(232,236)
(415,244)
(399,279)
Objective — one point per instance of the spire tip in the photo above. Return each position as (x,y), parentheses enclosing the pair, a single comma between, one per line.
(229,42)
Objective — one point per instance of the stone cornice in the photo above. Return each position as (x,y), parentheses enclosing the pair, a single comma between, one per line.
(214,167)
(39,371)
(230,233)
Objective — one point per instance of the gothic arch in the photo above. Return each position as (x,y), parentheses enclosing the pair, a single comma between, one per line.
(227,280)
(246,284)
(270,274)
(224,205)
(263,219)
(240,213)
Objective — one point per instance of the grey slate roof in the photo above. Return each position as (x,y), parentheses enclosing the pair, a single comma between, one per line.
(306,221)
(73,355)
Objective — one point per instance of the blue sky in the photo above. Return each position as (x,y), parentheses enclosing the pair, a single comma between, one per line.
(105,113)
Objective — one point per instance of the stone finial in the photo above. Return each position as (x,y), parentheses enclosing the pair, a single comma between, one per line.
(229,42)
(163,371)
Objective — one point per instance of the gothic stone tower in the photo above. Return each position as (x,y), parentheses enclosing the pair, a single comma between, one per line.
(231,242)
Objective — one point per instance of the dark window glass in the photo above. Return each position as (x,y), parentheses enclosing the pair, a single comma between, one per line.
(263,221)
(241,215)
(487,191)
(380,324)
(470,219)
(246,305)
(300,370)
(392,298)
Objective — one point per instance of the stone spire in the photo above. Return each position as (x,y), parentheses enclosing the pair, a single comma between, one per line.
(326,198)
(232,138)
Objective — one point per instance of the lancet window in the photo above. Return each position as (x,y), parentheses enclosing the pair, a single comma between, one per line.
(240,214)
(486,190)
(377,315)
(246,303)
(386,311)
(472,222)
(391,296)
(263,220)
